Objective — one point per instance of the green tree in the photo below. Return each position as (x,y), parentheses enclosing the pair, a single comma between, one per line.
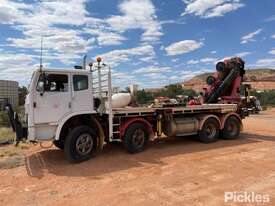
(266,97)
(144,97)
(23,91)
(170,91)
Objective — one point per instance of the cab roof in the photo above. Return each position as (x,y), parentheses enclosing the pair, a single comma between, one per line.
(67,71)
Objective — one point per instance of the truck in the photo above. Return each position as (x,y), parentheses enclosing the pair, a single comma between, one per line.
(73,109)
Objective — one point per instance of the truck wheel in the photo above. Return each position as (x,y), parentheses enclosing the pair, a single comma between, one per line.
(80,144)
(136,138)
(210,131)
(59,144)
(231,128)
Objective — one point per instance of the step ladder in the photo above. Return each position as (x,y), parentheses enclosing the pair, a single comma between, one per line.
(116,128)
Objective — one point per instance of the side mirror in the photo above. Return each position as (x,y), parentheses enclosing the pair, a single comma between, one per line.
(40,88)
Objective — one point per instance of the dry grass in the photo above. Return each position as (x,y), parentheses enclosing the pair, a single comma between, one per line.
(12,156)
(6,134)
(13,161)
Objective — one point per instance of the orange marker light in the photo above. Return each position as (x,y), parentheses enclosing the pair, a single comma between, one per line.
(98,59)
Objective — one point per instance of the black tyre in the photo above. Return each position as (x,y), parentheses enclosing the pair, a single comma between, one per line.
(232,128)
(136,137)
(80,144)
(210,131)
(59,144)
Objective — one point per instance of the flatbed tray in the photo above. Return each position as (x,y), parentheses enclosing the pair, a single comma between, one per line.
(220,108)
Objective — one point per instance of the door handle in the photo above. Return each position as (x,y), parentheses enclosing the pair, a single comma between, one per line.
(34,104)
(70,105)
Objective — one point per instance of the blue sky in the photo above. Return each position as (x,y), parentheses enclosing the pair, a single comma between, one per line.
(148,42)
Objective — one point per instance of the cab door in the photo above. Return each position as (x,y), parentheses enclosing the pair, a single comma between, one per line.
(81,93)
(54,102)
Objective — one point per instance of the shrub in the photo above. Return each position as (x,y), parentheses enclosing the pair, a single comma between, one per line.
(4,120)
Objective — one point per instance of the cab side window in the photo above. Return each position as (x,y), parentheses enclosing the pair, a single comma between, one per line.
(80,82)
(53,83)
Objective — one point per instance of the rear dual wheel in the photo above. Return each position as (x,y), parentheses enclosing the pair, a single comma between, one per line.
(210,131)
(232,128)
(136,138)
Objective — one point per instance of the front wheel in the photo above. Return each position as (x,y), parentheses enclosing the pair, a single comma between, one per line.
(80,144)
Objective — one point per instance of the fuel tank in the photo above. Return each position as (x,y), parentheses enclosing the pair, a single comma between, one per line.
(181,126)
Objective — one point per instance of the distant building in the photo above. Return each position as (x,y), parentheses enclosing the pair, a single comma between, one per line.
(8,93)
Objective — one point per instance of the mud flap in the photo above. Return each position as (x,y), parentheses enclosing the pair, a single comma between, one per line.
(101,134)
(20,131)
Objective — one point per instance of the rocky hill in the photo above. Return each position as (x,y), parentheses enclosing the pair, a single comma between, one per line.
(262,78)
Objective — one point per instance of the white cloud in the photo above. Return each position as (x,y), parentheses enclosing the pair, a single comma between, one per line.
(211,8)
(60,40)
(16,66)
(69,31)
(266,62)
(213,52)
(243,54)
(47,19)
(155,76)
(152,69)
(117,57)
(208,60)
(122,75)
(205,60)
(271,18)
(136,15)
(250,37)
(8,57)
(183,47)
(273,36)
(69,12)
(10,11)
(175,60)
(192,61)
(148,59)
(105,37)
(223,9)
(186,75)
(272,51)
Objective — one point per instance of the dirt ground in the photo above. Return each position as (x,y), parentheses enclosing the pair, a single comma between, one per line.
(178,171)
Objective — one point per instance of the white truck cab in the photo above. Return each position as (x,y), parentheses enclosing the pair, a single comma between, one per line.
(55,95)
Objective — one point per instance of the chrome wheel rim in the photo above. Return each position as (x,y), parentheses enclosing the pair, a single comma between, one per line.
(84,144)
